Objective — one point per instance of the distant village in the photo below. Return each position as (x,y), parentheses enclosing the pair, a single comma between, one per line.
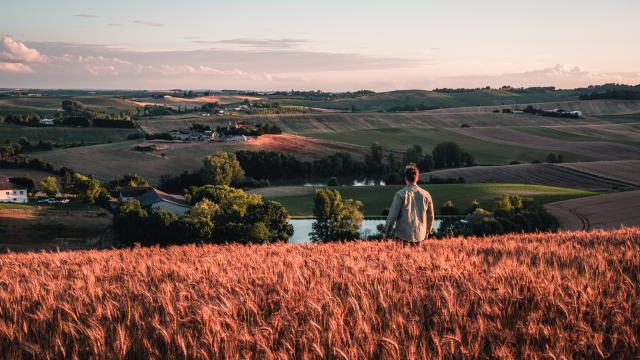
(233,132)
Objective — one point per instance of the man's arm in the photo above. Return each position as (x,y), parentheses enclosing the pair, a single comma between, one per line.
(430,216)
(394,211)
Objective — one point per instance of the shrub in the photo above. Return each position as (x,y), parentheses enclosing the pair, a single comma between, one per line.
(449,209)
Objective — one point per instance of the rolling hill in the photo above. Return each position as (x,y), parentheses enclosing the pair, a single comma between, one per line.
(385,101)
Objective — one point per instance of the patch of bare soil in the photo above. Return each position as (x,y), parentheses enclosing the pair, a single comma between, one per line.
(622,170)
(535,174)
(303,145)
(608,211)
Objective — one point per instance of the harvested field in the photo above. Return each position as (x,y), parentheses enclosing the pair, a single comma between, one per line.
(588,107)
(515,296)
(608,211)
(35,175)
(537,174)
(67,226)
(110,161)
(597,150)
(628,133)
(622,170)
(174,101)
(337,122)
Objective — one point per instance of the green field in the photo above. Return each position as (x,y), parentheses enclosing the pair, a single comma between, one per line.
(556,134)
(621,119)
(63,135)
(484,152)
(51,104)
(378,198)
(623,133)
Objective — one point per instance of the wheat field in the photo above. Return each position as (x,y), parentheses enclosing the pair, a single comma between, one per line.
(572,295)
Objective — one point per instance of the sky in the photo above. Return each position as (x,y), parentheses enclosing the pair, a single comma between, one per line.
(328,45)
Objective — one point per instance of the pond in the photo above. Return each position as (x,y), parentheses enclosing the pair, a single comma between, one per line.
(302,228)
(355,182)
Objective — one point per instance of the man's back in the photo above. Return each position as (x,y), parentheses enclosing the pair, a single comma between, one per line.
(412,214)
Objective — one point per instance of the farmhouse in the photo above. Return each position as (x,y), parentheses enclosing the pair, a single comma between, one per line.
(10,192)
(130,193)
(187,135)
(155,199)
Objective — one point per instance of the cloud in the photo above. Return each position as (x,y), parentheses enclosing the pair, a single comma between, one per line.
(148,23)
(259,43)
(15,68)
(90,16)
(565,77)
(561,76)
(107,66)
(114,24)
(14,51)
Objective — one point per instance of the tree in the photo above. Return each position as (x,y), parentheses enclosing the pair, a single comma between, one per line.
(128,224)
(234,215)
(49,186)
(87,188)
(221,168)
(426,164)
(373,160)
(392,163)
(551,158)
(70,106)
(449,209)
(413,155)
(503,206)
(447,154)
(467,159)
(333,181)
(335,219)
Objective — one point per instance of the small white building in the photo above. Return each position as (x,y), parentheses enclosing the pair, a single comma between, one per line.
(46,122)
(10,192)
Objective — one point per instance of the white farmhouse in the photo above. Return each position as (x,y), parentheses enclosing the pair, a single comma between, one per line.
(10,192)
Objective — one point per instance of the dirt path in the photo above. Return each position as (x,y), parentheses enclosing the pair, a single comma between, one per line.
(608,211)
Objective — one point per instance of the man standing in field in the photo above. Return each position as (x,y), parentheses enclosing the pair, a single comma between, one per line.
(411,211)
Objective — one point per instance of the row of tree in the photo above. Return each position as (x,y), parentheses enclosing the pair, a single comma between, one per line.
(511,214)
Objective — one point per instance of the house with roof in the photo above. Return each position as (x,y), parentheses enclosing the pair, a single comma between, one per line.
(130,193)
(152,198)
(10,192)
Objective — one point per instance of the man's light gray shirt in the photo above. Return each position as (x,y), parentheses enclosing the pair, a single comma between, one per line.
(412,214)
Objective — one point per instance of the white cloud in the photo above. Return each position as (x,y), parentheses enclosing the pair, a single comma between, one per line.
(15,67)
(148,23)
(16,51)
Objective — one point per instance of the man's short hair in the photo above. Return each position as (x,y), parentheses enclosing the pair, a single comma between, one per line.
(411,173)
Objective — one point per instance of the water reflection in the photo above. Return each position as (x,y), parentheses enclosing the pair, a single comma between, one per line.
(365,182)
(302,228)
